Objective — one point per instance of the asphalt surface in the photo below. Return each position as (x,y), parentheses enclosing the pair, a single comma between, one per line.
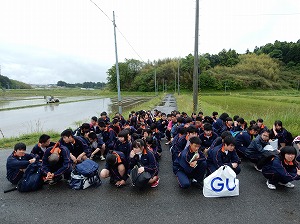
(165,204)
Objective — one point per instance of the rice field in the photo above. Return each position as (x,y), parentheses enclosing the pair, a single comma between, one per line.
(269,106)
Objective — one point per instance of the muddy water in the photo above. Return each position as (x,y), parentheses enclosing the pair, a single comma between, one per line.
(57,117)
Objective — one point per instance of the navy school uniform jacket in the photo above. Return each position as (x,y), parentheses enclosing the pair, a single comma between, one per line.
(14,164)
(183,159)
(178,145)
(147,160)
(62,166)
(286,172)
(207,140)
(243,139)
(37,150)
(124,147)
(78,147)
(256,146)
(113,170)
(217,158)
(219,127)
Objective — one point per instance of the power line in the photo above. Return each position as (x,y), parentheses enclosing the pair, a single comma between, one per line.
(119,31)
(101,11)
(130,44)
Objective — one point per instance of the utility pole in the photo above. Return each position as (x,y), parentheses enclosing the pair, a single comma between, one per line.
(175,80)
(178,76)
(195,74)
(155,86)
(117,68)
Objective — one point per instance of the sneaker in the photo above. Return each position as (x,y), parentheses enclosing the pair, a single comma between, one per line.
(155,184)
(288,184)
(271,186)
(255,166)
(52,182)
(102,158)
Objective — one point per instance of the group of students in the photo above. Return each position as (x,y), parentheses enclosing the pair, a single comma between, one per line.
(199,145)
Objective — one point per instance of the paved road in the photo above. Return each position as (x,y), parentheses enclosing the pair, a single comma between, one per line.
(165,204)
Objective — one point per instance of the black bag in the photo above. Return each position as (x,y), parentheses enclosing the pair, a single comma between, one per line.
(266,157)
(32,178)
(139,180)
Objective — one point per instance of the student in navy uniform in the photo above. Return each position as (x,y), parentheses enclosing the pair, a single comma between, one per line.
(104,117)
(280,133)
(94,125)
(116,168)
(190,165)
(40,148)
(256,147)
(122,144)
(244,138)
(146,161)
(261,125)
(219,125)
(79,150)
(17,163)
(282,169)
(207,137)
(56,164)
(82,130)
(224,154)
(97,145)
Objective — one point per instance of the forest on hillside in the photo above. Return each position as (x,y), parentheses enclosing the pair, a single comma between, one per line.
(272,66)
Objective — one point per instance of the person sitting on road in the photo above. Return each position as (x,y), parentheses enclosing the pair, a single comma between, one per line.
(97,145)
(17,163)
(104,117)
(244,138)
(116,168)
(122,144)
(82,130)
(146,161)
(40,148)
(224,154)
(282,169)
(261,125)
(94,125)
(207,137)
(56,163)
(280,133)
(79,150)
(219,126)
(256,147)
(190,165)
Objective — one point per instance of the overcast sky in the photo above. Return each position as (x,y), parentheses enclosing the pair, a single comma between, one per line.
(45,41)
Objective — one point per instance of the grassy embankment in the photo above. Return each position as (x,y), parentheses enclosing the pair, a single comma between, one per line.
(32,138)
(269,105)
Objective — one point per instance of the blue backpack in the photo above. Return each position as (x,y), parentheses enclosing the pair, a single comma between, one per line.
(32,178)
(84,175)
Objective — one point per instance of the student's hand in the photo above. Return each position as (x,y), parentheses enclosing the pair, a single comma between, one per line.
(132,154)
(120,183)
(298,172)
(193,164)
(32,160)
(49,176)
(234,165)
(141,169)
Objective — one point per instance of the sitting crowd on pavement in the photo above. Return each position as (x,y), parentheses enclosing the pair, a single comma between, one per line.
(199,145)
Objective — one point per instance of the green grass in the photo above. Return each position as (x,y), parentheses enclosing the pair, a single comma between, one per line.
(268,107)
(28,139)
